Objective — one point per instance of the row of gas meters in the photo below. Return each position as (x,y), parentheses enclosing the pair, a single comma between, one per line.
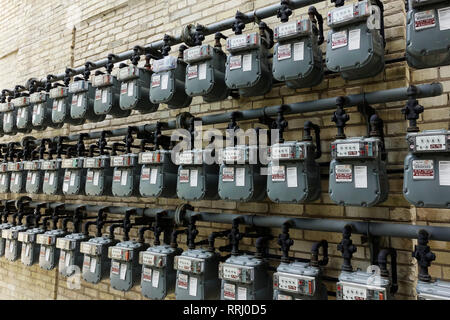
(355,47)
(201,273)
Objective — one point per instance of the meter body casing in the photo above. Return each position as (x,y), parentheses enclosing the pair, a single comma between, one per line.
(96,264)
(426,181)
(297,55)
(245,278)
(298,281)
(98,176)
(168,83)
(248,68)
(197,275)
(360,285)
(434,290)
(205,73)
(135,89)
(158,174)
(69,253)
(62,103)
(18,177)
(82,104)
(197,180)
(358,175)
(13,246)
(41,110)
(240,177)
(24,113)
(125,268)
(294,175)
(53,176)
(9,117)
(3,226)
(49,253)
(5,177)
(30,248)
(107,96)
(74,176)
(35,176)
(158,273)
(354,44)
(428,33)
(126,175)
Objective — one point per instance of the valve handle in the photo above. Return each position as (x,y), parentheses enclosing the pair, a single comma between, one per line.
(285,11)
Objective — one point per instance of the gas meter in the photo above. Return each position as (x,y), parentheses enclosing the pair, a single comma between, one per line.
(158,174)
(196,179)
(248,68)
(158,273)
(96,265)
(433,290)
(83,96)
(294,175)
(428,33)
(107,96)
(34,176)
(297,54)
(18,177)
(126,175)
(427,169)
(240,178)
(9,114)
(49,254)
(5,177)
(62,101)
(197,275)
(24,112)
(355,43)
(13,246)
(205,73)
(125,268)
(245,278)
(168,81)
(360,285)
(4,226)
(69,254)
(74,176)
(53,176)
(98,176)
(42,110)
(30,248)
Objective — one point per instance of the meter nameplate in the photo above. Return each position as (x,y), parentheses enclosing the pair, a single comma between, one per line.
(151,157)
(293,29)
(354,292)
(45,239)
(26,237)
(285,153)
(198,53)
(286,29)
(59,92)
(165,64)
(425,19)
(122,161)
(350,13)
(231,273)
(348,149)
(344,173)
(186,157)
(154,260)
(38,97)
(342,14)
(103,80)
(423,169)
(72,163)
(10,234)
(78,86)
(288,284)
(243,42)
(65,244)
(21,102)
(50,165)
(120,254)
(184,264)
(233,155)
(94,163)
(90,248)
(431,143)
(128,73)
(15,166)
(7,106)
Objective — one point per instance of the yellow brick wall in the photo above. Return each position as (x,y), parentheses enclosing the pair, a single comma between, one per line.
(39,38)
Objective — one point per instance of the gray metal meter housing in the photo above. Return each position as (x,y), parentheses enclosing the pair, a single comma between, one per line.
(158,274)
(434,290)
(9,118)
(358,176)
(158,174)
(135,89)
(82,106)
(426,181)
(248,68)
(53,177)
(197,275)
(297,57)
(30,248)
(245,278)
(205,73)
(18,177)
(196,179)
(24,113)
(96,264)
(74,176)
(240,176)
(3,226)
(69,254)
(125,268)
(42,110)
(98,176)
(5,177)
(428,33)
(355,45)
(35,176)
(49,254)
(298,281)
(168,81)
(107,96)
(126,175)
(293,174)
(62,103)
(359,285)
(13,247)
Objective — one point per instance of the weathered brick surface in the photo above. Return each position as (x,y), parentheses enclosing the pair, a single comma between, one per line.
(46,37)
